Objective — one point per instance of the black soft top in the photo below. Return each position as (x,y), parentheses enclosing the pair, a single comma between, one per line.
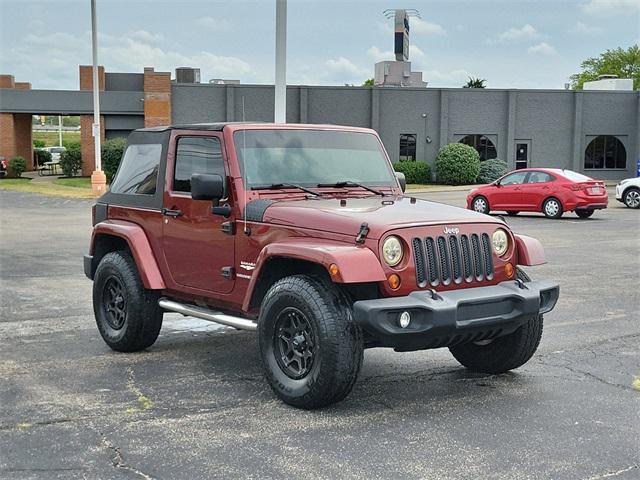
(216,127)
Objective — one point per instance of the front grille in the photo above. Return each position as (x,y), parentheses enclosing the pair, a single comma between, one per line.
(454,258)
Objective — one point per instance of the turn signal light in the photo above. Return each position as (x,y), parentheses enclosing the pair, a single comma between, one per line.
(509,270)
(333,270)
(394,281)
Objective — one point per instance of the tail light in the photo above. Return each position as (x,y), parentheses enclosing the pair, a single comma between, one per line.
(4,164)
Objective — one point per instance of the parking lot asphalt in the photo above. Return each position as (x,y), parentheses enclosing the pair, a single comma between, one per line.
(195,404)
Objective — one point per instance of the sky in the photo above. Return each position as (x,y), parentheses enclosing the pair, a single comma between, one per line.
(511,44)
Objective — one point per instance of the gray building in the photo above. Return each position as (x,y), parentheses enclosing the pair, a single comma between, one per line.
(595,132)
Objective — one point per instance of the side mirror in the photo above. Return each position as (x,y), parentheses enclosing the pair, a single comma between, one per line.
(402,181)
(205,186)
(497,183)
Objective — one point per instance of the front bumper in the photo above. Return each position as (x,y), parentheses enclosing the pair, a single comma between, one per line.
(456,316)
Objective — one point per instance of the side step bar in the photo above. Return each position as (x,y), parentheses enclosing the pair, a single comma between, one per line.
(207,314)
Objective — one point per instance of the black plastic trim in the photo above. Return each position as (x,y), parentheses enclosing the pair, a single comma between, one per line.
(255,209)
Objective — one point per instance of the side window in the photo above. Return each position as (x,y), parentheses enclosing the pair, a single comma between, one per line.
(407,146)
(540,177)
(138,171)
(514,179)
(196,155)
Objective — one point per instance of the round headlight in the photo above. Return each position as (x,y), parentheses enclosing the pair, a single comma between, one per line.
(392,251)
(500,242)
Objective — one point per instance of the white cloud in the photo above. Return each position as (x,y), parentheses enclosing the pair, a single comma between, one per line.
(56,56)
(542,48)
(377,55)
(452,78)
(415,52)
(422,27)
(584,29)
(343,67)
(146,37)
(610,7)
(214,24)
(514,34)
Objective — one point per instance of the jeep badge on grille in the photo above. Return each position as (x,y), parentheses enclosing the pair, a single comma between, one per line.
(451,230)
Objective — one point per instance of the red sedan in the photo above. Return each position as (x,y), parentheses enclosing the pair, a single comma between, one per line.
(551,191)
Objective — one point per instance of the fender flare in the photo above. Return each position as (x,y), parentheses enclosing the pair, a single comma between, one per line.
(356,264)
(530,251)
(139,246)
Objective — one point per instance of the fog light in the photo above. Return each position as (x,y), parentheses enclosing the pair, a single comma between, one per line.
(404,320)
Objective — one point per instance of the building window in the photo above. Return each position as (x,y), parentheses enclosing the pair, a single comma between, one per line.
(605,151)
(407,146)
(482,144)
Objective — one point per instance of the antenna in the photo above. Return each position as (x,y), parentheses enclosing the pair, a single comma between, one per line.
(244,170)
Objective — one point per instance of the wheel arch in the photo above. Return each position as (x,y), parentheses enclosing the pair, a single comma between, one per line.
(355,265)
(110,236)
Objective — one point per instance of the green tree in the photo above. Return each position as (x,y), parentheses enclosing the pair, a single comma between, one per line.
(475,83)
(368,83)
(620,62)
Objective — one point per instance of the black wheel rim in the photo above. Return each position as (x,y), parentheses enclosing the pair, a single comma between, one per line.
(294,343)
(114,301)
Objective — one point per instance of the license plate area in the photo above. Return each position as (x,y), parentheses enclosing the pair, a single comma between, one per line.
(594,190)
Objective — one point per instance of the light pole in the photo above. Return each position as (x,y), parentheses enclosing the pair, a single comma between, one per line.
(98,178)
(280,107)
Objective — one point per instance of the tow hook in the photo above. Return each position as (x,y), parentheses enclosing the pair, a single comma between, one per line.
(521,284)
(434,294)
(362,234)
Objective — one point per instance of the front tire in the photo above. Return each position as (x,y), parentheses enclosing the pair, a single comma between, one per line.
(631,198)
(584,213)
(480,204)
(552,208)
(503,353)
(310,346)
(128,316)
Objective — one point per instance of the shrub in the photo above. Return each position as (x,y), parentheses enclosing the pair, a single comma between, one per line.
(71,144)
(414,171)
(457,164)
(112,151)
(17,166)
(71,162)
(491,170)
(41,156)
(39,144)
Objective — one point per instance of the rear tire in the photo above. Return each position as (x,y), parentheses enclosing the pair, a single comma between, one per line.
(503,353)
(584,213)
(631,198)
(128,316)
(310,346)
(480,204)
(552,208)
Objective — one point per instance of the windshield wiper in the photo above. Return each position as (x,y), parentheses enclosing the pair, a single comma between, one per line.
(349,183)
(279,186)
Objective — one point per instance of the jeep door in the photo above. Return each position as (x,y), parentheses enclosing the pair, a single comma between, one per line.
(508,195)
(198,253)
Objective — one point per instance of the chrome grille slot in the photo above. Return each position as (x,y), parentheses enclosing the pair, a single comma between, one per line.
(455,259)
(418,254)
(466,258)
(488,256)
(477,257)
(443,255)
(452,258)
(431,261)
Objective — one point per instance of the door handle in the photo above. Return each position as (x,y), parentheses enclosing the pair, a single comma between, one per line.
(171,213)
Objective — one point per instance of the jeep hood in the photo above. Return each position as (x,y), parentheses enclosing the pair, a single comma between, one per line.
(381,214)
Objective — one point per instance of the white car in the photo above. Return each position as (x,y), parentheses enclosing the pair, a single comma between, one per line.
(628,192)
(55,152)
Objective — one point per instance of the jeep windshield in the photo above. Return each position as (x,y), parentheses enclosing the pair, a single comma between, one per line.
(312,158)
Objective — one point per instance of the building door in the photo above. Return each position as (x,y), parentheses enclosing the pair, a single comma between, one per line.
(523,153)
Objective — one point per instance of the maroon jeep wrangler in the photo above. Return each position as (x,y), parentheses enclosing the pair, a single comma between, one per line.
(303,234)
